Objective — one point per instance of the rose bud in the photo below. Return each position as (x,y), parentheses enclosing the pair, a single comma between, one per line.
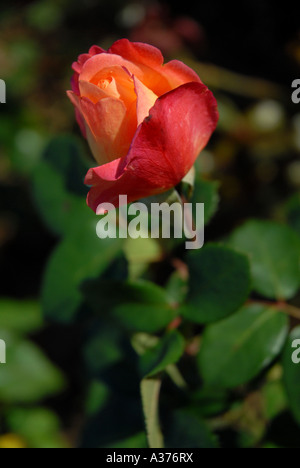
(146,122)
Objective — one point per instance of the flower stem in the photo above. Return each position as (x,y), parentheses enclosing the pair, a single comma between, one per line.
(283,306)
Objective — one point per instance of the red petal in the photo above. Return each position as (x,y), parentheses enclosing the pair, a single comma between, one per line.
(164,148)
(110,181)
(75,99)
(75,84)
(137,52)
(168,142)
(77,66)
(95,50)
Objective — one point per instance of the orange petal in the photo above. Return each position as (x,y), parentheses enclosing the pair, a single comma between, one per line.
(156,76)
(149,59)
(178,73)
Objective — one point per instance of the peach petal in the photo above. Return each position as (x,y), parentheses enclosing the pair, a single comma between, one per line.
(145,100)
(110,131)
(95,65)
(91,91)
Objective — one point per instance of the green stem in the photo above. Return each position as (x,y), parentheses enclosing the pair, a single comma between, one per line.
(150,390)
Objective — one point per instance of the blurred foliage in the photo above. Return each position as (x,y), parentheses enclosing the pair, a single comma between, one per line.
(92,326)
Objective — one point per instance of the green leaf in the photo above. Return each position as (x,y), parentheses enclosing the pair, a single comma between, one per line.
(176,289)
(138,441)
(58,184)
(147,318)
(292,210)
(65,154)
(102,349)
(28,375)
(140,253)
(209,402)
(138,306)
(185,430)
(168,351)
(292,372)
(206,191)
(236,349)
(97,397)
(39,427)
(274,252)
(142,250)
(120,410)
(108,294)
(275,401)
(219,283)
(80,256)
(150,390)
(54,204)
(20,316)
